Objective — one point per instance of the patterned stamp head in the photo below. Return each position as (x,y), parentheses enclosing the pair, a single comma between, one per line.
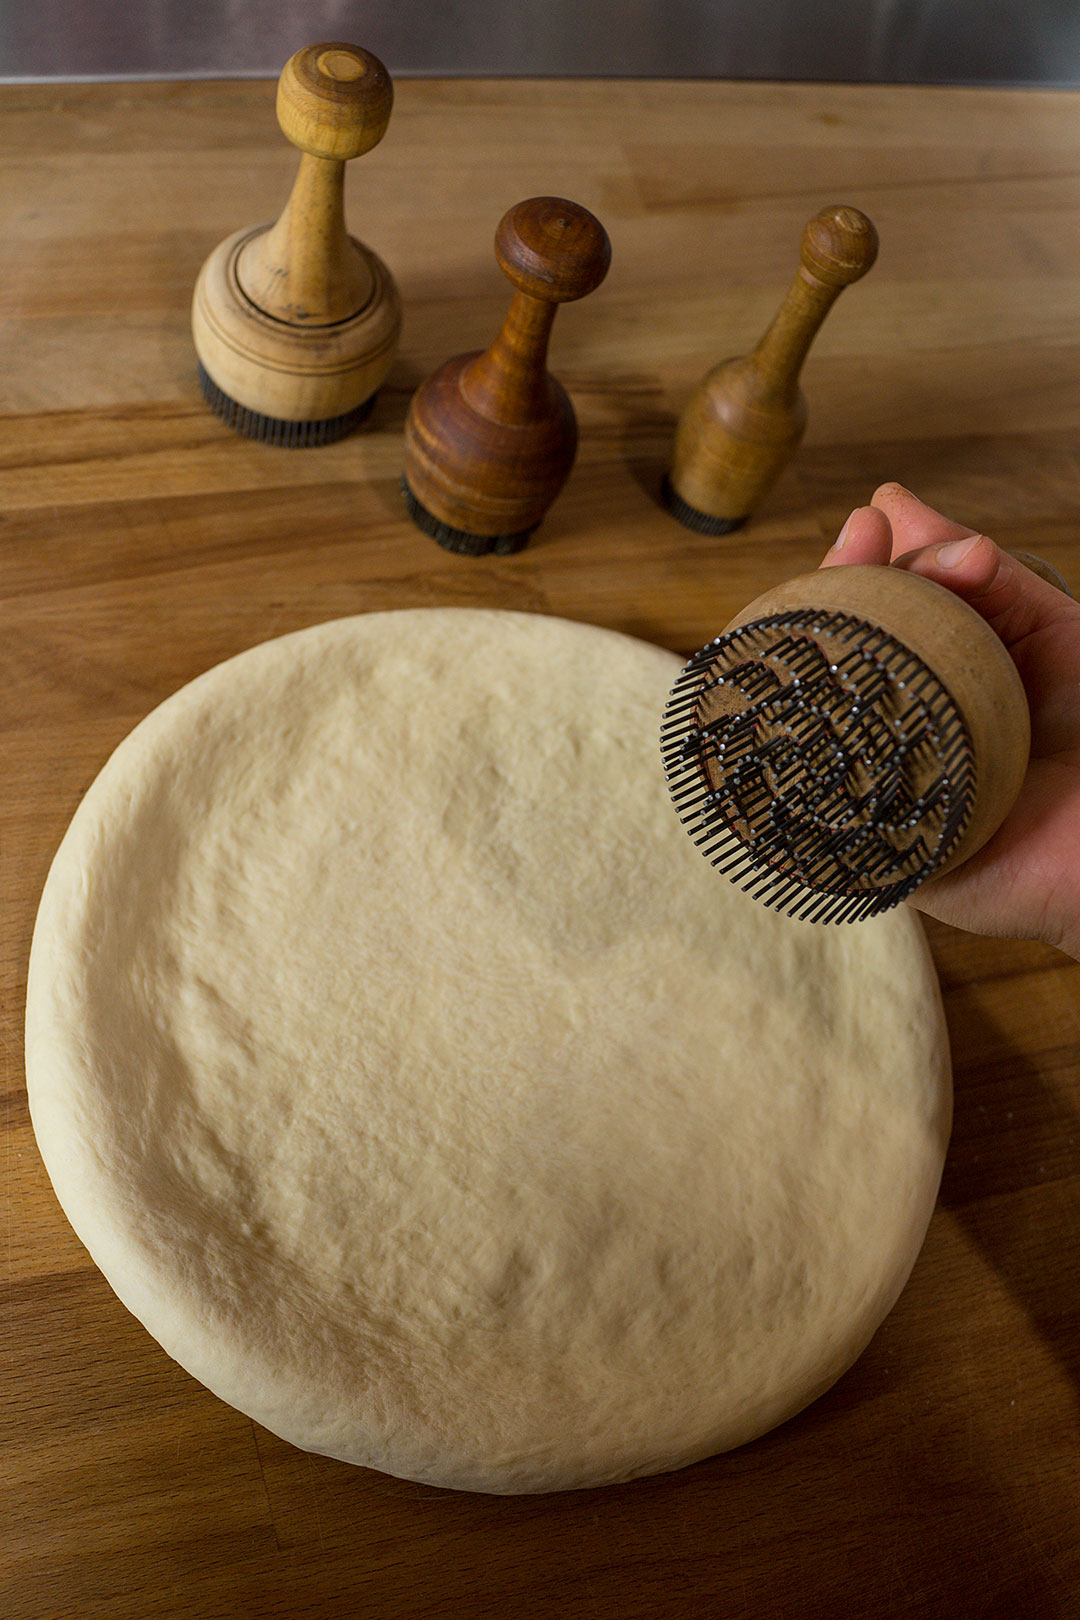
(818,762)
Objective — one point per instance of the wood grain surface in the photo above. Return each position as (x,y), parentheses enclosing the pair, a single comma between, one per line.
(141,542)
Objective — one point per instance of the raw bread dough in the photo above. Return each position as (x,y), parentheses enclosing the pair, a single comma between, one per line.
(411,1077)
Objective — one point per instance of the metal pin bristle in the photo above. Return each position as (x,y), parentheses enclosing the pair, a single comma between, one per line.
(836,776)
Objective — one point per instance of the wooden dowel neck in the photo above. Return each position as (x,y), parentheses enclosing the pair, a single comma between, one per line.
(779,356)
(509,382)
(305,270)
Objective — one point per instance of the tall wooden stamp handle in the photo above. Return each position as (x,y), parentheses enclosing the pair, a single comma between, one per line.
(490,437)
(747,417)
(334,103)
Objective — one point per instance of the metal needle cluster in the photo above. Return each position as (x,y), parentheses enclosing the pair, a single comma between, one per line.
(817,761)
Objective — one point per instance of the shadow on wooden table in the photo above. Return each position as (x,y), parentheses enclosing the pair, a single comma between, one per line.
(1016,1125)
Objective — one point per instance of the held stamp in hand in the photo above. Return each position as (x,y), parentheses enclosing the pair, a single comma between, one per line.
(852,734)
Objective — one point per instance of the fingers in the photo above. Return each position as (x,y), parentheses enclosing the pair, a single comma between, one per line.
(894,523)
(913,523)
(865,538)
(1015,602)
(900,528)
(973,567)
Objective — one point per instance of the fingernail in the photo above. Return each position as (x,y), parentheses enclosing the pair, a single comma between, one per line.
(953,552)
(841,539)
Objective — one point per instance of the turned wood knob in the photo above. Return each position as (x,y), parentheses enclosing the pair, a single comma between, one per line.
(745,420)
(295,324)
(334,101)
(850,735)
(552,250)
(490,437)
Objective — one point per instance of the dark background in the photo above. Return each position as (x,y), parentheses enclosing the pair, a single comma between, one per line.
(1002,42)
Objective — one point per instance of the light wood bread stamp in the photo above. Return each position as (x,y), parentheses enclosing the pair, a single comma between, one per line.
(296,324)
(745,420)
(852,734)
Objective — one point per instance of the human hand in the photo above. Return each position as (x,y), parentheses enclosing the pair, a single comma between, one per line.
(1025,882)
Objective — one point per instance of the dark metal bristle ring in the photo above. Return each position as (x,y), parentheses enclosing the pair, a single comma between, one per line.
(818,762)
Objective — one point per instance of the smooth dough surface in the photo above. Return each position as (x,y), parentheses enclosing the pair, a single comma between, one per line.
(413,1079)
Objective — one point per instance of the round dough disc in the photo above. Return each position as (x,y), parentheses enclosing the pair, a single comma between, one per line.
(408,1073)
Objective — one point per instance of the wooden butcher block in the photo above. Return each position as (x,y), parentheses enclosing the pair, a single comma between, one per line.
(142,542)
